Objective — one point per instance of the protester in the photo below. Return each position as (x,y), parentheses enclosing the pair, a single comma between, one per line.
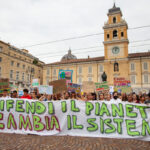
(108,97)
(115,97)
(142,99)
(101,97)
(34,95)
(89,97)
(5,94)
(94,96)
(147,99)
(15,94)
(135,98)
(130,99)
(25,94)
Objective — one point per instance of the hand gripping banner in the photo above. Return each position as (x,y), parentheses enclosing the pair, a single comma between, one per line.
(107,119)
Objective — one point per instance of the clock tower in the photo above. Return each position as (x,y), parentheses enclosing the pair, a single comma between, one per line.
(115,35)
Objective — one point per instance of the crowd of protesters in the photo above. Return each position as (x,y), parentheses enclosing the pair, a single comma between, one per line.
(141,98)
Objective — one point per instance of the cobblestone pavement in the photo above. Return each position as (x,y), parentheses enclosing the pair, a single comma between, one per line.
(33,142)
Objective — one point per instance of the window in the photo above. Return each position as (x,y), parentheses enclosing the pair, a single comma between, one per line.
(132,67)
(90,69)
(107,36)
(122,34)
(11,74)
(47,82)
(1,49)
(114,19)
(116,67)
(79,80)
(0,59)
(23,66)
(12,63)
(0,71)
(32,70)
(28,77)
(115,34)
(23,76)
(89,78)
(145,66)
(17,75)
(100,79)
(80,70)
(146,81)
(133,79)
(101,68)
(48,71)
(54,72)
(18,65)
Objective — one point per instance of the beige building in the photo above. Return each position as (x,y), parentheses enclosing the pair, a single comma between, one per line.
(19,66)
(117,61)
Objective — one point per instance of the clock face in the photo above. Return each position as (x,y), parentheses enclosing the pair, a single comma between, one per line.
(115,50)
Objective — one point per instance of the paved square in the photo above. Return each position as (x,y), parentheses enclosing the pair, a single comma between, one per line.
(33,142)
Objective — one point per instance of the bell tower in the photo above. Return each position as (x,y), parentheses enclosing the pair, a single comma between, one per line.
(115,35)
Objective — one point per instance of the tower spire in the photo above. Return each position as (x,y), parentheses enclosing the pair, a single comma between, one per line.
(114,4)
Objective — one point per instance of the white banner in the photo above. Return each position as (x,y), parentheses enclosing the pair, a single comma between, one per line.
(107,119)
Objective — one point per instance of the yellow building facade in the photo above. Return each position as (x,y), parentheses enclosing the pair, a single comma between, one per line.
(117,62)
(19,66)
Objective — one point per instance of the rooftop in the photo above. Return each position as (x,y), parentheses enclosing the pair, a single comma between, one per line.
(132,55)
(114,10)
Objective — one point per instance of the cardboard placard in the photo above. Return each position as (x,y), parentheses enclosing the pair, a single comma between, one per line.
(88,87)
(35,82)
(59,86)
(72,87)
(45,89)
(122,85)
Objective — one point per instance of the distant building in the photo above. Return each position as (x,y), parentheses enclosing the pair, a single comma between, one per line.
(117,62)
(19,66)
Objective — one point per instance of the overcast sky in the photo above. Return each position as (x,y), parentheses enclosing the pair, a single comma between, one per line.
(28,22)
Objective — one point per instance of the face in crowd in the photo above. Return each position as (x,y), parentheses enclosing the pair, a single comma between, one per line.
(15,95)
(101,96)
(5,93)
(115,95)
(25,92)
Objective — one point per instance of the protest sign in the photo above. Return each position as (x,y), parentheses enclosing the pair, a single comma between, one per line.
(45,89)
(74,87)
(76,118)
(35,82)
(122,85)
(66,74)
(20,93)
(102,86)
(4,84)
(59,86)
(88,86)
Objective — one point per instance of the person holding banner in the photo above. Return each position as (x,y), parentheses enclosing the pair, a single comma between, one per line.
(101,96)
(115,97)
(15,94)
(5,94)
(25,94)
(34,95)
(135,98)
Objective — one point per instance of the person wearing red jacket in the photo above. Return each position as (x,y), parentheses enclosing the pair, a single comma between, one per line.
(26,95)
